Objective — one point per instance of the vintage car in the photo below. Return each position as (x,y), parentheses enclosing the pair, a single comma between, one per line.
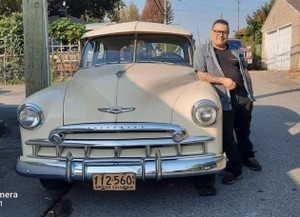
(134,110)
(246,50)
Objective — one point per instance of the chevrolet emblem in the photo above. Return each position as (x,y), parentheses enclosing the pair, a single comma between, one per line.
(116,109)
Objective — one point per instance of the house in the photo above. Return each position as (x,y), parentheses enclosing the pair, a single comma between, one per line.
(281,36)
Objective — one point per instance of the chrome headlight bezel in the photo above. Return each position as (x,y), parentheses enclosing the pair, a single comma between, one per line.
(202,104)
(34,108)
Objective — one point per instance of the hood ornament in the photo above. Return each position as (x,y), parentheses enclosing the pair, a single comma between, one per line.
(120,73)
(116,109)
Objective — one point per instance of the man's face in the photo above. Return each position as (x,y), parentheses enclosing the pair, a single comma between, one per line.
(219,35)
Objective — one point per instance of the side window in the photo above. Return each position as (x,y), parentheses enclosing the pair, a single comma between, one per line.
(100,52)
(87,58)
(126,53)
(99,56)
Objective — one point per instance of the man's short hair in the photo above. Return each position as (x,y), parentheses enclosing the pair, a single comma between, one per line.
(221,21)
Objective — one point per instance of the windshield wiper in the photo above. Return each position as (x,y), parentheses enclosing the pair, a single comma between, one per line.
(110,63)
(155,61)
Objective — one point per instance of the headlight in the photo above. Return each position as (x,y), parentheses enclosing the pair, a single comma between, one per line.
(205,113)
(30,116)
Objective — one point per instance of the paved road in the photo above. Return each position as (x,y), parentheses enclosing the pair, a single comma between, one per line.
(272,192)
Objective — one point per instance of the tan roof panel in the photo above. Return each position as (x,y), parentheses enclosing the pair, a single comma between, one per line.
(137,27)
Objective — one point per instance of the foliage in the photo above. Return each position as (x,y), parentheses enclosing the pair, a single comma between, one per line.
(252,33)
(11,34)
(11,46)
(66,31)
(114,14)
(8,7)
(86,9)
(128,14)
(154,11)
(12,70)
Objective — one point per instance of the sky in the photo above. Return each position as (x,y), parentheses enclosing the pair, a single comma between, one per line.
(199,15)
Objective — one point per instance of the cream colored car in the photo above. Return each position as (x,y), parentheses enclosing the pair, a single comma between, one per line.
(134,110)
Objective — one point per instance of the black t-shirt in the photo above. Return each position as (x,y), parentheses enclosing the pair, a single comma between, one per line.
(231,68)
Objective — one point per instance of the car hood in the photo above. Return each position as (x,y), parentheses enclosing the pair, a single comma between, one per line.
(140,92)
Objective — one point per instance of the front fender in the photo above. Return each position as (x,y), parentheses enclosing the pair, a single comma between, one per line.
(182,113)
(51,101)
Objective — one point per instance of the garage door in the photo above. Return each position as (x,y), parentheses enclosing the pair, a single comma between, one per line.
(271,50)
(278,48)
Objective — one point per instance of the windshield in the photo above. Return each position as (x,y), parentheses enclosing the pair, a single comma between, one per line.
(140,48)
(236,44)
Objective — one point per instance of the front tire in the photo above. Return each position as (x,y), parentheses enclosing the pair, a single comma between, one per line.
(55,184)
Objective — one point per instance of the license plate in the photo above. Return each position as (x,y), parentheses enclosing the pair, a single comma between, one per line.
(114,182)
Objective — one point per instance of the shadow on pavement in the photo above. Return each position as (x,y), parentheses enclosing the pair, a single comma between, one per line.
(276,93)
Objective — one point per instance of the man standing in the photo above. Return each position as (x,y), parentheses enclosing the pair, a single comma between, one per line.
(226,69)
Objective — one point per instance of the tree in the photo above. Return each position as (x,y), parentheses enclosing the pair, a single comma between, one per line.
(154,11)
(255,23)
(11,34)
(86,9)
(65,31)
(12,45)
(129,14)
(252,33)
(7,7)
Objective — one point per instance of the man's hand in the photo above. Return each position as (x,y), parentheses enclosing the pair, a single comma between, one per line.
(228,83)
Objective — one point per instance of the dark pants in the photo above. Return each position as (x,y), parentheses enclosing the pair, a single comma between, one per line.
(237,120)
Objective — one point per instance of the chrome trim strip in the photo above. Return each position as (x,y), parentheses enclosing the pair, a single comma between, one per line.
(39,142)
(158,165)
(69,160)
(117,151)
(83,170)
(147,147)
(120,143)
(178,149)
(86,156)
(114,160)
(143,170)
(117,127)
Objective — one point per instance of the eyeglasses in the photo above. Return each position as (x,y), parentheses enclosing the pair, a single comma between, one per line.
(217,32)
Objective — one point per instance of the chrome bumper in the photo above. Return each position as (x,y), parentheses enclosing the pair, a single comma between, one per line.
(154,168)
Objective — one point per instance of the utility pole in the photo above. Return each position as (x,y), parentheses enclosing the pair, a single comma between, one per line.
(165,12)
(238,15)
(36,48)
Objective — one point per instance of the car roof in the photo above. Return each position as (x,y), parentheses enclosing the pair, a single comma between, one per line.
(137,27)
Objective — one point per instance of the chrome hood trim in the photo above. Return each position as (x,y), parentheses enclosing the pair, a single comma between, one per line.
(116,109)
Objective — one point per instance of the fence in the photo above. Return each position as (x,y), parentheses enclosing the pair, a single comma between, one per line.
(63,64)
(12,69)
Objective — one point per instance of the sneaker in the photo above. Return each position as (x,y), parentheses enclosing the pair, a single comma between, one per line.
(253,164)
(230,178)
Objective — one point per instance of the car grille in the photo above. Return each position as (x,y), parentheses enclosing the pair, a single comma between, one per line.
(117,140)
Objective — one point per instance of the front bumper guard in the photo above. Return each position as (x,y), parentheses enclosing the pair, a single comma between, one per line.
(154,168)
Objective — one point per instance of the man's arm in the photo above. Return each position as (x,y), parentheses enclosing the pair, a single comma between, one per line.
(201,69)
(227,82)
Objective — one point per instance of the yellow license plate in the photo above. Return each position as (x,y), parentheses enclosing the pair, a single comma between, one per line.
(114,182)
